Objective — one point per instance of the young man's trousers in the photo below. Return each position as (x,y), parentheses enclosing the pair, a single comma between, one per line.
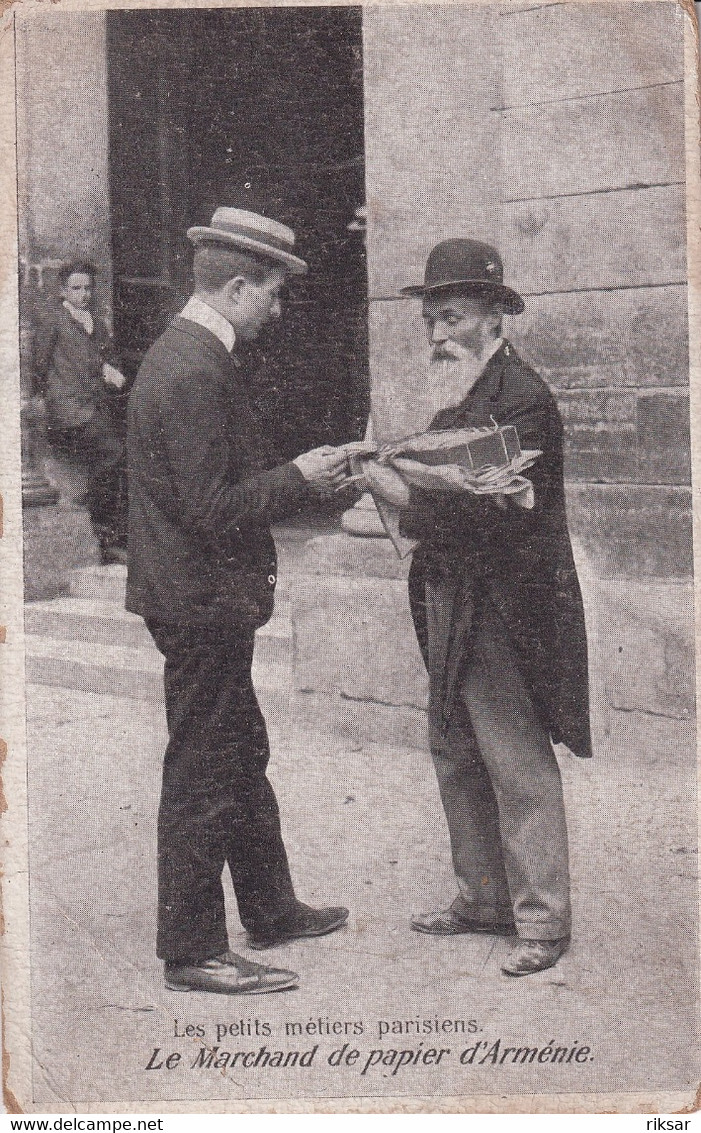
(217,807)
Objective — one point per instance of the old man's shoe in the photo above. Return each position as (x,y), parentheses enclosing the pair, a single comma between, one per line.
(303,922)
(228,974)
(449,922)
(531,956)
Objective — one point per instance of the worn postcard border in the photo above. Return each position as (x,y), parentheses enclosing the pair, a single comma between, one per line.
(17,1050)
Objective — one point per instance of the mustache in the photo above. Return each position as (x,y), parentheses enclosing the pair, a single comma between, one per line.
(450,351)
(443,354)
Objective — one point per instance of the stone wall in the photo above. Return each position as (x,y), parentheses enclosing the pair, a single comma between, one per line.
(432,162)
(64,212)
(591,128)
(62,125)
(555,131)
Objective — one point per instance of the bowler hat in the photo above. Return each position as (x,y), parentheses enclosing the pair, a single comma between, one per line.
(250,232)
(467,264)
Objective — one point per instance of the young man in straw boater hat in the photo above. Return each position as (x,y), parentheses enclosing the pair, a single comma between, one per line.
(202,573)
(499,618)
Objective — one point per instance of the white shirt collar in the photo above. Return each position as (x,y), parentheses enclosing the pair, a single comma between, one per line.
(197,311)
(83,317)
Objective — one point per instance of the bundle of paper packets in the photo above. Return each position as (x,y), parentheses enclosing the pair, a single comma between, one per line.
(485,461)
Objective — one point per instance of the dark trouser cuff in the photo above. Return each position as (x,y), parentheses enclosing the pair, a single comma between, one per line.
(186,959)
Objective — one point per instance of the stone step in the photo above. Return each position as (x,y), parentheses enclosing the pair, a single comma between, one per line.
(86,619)
(101,583)
(108,584)
(88,666)
(105,622)
(135,673)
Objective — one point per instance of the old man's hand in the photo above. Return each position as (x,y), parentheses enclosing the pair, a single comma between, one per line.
(387,483)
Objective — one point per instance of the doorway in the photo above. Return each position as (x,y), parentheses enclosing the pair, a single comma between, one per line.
(260,109)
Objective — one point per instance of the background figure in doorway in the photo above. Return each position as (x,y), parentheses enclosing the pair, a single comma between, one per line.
(72,367)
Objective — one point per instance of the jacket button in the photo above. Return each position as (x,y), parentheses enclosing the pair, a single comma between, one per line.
(272,579)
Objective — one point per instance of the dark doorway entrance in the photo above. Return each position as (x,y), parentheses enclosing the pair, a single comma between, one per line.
(254,108)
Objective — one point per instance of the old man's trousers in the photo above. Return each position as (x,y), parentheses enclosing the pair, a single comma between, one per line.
(498,777)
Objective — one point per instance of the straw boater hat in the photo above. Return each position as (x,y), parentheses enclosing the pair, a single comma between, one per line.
(469,265)
(236,228)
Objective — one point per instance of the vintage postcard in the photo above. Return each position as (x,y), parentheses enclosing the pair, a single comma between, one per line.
(348,649)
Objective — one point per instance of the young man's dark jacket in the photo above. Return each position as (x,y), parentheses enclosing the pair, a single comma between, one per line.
(522,559)
(201,498)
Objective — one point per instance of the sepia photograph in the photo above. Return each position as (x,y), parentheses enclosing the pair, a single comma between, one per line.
(349,646)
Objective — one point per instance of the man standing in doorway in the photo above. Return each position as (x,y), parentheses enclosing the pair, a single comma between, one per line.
(498,614)
(202,573)
(72,356)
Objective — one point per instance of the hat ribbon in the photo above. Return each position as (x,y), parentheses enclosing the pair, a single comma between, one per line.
(251,234)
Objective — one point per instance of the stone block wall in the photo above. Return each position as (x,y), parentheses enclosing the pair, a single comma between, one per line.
(594,233)
(555,131)
(64,213)
(432,162)
(62,125)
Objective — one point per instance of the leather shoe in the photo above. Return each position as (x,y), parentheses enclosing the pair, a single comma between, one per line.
(228,974)
(305,921)
(530,956)
(448,922)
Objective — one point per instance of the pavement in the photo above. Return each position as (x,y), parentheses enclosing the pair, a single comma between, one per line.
(363,827)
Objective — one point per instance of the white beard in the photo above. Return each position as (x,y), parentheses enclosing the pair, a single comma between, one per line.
(449,380)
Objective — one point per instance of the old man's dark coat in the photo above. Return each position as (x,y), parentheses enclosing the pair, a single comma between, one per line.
(522,559)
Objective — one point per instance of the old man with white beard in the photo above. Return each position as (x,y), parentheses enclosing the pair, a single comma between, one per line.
(499,619)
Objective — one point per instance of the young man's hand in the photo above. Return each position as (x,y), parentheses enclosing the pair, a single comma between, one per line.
(113,376)
(323,468)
